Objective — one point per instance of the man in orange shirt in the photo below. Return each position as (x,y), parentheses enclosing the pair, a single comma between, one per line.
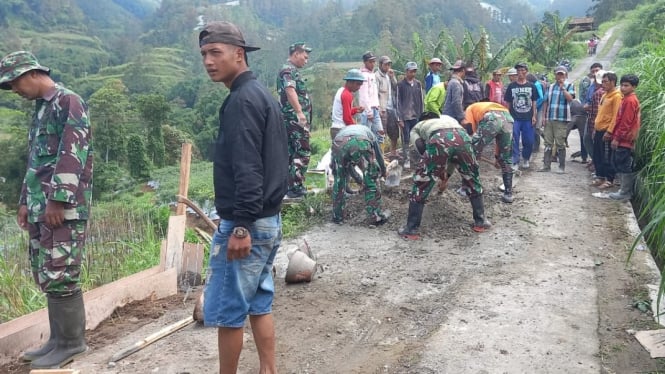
(492,121)
(604,126)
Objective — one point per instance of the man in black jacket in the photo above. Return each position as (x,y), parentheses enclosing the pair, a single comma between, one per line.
(250,177)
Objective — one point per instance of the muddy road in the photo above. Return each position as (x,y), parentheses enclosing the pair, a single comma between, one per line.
(546,290)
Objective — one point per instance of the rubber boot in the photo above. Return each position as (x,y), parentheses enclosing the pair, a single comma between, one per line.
(562,161)
(626,190)
(547,159)
(50,343)
(410,231)
(507,188)
(480,223)
(69,322)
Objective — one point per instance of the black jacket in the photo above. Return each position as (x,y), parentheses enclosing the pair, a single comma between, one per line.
(251,157)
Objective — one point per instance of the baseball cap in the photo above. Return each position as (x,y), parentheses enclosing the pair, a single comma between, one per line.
(223,32)
(411,66)
(16,64)
(560,69)
(354,75)
(459,64)
(522,65)
(497,72)
(385,60)
(599,76)
(369,56)
(299,46)
(435,60)
(512,71)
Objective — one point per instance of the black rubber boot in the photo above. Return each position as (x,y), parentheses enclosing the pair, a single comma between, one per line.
(562,161)
(69,322)
(410,231)
(547,159)
(50,343)
(480,223)
(508,188)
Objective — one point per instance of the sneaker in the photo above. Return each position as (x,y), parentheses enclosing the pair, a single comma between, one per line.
(337,220)
(544,169)
(407,164)
(560,170)
(507,198)
(619,195)
(525,164)
(515,167)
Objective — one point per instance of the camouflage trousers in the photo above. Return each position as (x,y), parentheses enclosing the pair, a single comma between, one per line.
(56,255)
(299,153)
(348,152)
(447,146)
(496,125)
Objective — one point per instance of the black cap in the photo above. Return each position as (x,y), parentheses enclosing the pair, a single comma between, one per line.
(223,32)
(369,56)
(522,65)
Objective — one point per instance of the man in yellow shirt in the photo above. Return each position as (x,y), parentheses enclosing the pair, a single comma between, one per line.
(491,121)
(604,126)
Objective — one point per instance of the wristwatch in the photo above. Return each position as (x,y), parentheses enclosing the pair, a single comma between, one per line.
(240,232)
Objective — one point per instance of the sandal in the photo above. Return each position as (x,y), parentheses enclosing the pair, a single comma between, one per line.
(597,182)
(605,185)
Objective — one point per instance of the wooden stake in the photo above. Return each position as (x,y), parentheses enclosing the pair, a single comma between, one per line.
(185,164)
(170,329)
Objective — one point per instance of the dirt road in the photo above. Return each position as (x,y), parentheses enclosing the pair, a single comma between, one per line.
(546,290)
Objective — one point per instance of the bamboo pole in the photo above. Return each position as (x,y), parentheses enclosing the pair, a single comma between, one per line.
(185,166)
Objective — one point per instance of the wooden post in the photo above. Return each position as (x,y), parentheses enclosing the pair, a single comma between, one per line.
(185,164)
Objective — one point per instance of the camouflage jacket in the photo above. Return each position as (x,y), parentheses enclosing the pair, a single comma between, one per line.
(59,157)
(289,76)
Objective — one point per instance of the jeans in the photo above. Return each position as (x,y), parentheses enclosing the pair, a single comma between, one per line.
(374,124)
(241,287)
(523,129)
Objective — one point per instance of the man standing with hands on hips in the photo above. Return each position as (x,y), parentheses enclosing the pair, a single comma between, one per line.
(297,116)
(250,180)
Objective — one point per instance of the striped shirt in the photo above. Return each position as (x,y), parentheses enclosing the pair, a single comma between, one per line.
(558,108)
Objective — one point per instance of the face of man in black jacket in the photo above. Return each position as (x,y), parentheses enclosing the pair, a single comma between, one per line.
(223,62)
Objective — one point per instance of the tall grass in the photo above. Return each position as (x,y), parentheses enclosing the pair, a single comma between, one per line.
(650,148)
(123,239)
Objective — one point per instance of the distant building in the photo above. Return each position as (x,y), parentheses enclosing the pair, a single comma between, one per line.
(582,24)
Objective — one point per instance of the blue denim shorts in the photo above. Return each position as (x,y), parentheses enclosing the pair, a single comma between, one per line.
(237,288)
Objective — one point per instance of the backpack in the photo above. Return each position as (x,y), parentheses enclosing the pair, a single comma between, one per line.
(473,92)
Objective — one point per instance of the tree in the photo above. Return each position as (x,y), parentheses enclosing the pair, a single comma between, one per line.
(110,109)
(154,110)
(139,165)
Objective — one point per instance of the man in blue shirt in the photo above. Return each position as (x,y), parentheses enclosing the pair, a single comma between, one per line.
(557,115)
(433,76)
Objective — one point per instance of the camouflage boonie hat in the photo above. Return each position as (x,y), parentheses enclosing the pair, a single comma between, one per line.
(16,64)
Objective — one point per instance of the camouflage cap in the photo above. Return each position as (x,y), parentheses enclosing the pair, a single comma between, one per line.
(16,64)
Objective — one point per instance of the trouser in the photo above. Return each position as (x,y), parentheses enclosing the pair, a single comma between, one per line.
(299,154)
(579,122)
(588,137)
(443,147)
(602,156)
(406,134)
(389,122)
(556,133)
(56,255)
(522,129)
(374,124)
(496,125)
(622,160)
(347,152)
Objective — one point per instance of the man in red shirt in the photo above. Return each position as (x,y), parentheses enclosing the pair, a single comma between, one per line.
(624,136)
(343,109)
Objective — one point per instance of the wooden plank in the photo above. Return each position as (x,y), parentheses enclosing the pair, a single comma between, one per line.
(175,239)
(653,341)
(32,329)
(54,371)
(185,165)
(192,264)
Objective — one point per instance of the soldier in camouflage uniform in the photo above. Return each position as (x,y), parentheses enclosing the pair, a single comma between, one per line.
(356,145)
(443,144)
(491,121)
(297,115)
(55,201)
